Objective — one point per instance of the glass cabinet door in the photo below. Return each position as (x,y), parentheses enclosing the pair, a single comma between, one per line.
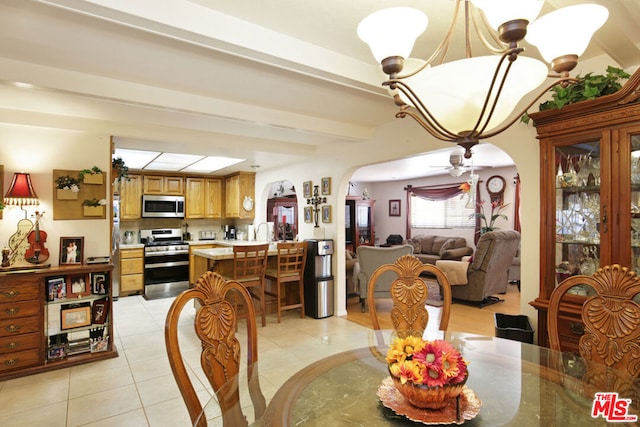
(635,202)
(578,209)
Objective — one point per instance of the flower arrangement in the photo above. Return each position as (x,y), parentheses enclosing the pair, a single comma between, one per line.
(432,363)
(95,202)
(496,209)
(65,182)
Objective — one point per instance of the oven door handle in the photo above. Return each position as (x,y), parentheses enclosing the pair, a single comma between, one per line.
(162,253)
(166,264)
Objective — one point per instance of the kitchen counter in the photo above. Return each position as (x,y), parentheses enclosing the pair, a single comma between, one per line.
(227,243)
(131,246)
(217,254)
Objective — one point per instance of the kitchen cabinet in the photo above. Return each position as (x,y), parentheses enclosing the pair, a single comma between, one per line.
(359,223)
(169,185)
(283,212)
(34,336)
(590,198)
(239,195)
(203,198)
(131,271)
(198,265)
(131,198)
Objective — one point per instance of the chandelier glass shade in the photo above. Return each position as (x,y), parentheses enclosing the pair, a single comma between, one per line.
(470,99)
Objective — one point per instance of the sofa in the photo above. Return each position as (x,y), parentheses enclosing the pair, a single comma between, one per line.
(369,259)
(430,249)
(486,273)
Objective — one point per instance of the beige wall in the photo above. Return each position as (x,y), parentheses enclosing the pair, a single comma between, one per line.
(38,151)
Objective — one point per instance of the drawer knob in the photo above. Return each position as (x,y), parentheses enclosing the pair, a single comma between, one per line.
(11,294)
(12,311)
(12,345)
(11,362)
(12,328)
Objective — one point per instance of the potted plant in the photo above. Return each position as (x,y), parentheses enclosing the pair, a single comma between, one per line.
(67,187)
(93,207)
(91,176)
(121,170)
(585,88)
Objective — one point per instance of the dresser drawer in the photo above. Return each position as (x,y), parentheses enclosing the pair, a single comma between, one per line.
(18,360)
(131,253)
(21,325)
(131,266)
(132,283)
(19,343)
(22,289)
(570,330)
(12,310)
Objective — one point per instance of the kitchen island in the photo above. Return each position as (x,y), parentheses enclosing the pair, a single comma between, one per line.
(218,255)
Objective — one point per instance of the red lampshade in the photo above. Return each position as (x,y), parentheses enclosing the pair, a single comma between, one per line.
(21,191)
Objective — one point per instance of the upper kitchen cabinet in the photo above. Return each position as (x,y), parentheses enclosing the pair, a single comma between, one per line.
(590,198)
(131,197)
(239,195)
(170,185)
(203,198)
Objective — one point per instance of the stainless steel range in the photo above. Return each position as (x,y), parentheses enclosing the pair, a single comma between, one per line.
(166,262)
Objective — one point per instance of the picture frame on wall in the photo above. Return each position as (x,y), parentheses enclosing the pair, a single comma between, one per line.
(325,186)
(306,189)
(394,207)
(326,213)
(71,250)
(75,317)
(308,214)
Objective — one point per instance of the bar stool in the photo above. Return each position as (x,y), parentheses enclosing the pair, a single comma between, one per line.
(249,267)
(290,269)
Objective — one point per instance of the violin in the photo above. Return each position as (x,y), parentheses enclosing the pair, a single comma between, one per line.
(37,252)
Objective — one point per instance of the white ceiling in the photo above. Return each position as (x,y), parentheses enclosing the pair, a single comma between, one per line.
(268,82)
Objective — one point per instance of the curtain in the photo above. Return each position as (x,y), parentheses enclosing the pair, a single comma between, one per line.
(433,192)
(516,209)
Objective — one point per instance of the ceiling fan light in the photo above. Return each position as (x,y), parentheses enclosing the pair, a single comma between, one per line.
(500,11)
(566,31)
(456,171)
(393,31)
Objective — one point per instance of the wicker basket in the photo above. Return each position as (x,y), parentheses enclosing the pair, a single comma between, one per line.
(423,396)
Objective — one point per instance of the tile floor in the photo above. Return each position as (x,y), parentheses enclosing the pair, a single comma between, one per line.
(137,388)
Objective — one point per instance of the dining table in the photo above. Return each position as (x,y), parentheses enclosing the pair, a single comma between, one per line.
(510,383)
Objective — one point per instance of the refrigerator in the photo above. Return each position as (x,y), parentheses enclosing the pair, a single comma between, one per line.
(115,248)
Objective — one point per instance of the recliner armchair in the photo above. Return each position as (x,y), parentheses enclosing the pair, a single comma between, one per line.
(487,273)
(369,259)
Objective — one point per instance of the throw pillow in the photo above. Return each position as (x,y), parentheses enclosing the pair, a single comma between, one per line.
(449,244)
(415,244)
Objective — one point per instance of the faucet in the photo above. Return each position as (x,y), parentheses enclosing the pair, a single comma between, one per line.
(258,230)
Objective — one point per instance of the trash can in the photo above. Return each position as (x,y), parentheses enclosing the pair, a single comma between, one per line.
(513,327)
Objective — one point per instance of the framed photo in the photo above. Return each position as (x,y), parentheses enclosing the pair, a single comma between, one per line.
(71,250)
(325,186)
(99,311)
(394,207)
(326,213)
(99,284)
(308,214)
(306,189)
(78,286)
(56,288)
(75,317)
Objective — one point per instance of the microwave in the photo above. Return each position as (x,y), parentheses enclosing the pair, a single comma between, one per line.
(162,206)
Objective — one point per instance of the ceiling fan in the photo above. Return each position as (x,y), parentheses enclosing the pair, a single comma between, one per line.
(457,165)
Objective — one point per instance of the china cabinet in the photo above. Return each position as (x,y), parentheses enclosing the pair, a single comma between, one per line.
(590,197)
(359,223)
(283,212)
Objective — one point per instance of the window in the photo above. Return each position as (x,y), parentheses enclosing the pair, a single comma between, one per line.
(450,213)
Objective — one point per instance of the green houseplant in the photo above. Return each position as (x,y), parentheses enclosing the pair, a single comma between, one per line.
(591,86)
(91,176)
(121,170)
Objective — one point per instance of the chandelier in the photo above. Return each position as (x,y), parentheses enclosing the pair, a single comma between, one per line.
(470,99)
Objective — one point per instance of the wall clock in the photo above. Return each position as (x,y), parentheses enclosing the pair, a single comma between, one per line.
(496,186)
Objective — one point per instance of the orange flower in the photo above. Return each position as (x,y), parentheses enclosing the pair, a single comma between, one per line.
(465,187)
(407,371)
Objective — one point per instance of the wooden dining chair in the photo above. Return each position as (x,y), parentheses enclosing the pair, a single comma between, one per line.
(611,318)
(215,325)
(249,267)
(409,293)
(289,270)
